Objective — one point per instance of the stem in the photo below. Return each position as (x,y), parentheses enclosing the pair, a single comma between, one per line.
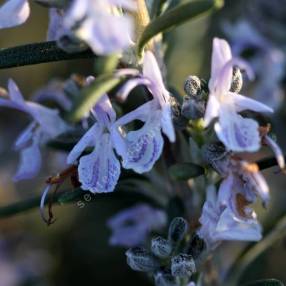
(37,53)
(69,196)
(72,196)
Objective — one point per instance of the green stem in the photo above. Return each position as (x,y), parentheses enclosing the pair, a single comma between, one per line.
(278,232)
(69,196)
(37,53)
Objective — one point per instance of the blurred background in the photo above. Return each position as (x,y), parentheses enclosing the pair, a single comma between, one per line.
(75,250)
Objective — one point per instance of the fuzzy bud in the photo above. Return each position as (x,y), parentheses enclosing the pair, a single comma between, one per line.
(177,230)
(193,108)
(192,85)
(197,246)
(161,247)
(237,80)
(183,265)
(165,279)
(139,259)
(217,156)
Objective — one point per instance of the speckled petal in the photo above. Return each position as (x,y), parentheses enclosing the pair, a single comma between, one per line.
(237,133)
(144,146)
(100,170)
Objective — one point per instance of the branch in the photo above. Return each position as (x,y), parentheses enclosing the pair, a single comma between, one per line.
(32,54)
(69,196)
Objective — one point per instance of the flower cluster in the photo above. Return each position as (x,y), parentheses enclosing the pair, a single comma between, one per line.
(212,132)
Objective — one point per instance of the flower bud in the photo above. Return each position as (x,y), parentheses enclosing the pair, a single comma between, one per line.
(193,108)
(183,265)
(216,155)
(165,279)
(192,85)
(177,230)
(161,247)
(197,246)
(237,80)
(139,259)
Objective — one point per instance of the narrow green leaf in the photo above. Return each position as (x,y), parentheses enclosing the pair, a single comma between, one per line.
(91,94)
(175,17)
(185,171)
(265,282)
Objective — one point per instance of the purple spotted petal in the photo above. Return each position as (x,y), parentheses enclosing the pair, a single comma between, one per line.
(14,13)
(144,146)
(237,133)
(100,170)
(88,140)
(30,161)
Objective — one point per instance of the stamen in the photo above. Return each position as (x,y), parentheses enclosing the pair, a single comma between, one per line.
(42,205)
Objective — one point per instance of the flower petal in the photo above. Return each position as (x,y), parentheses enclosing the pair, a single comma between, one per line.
(245,103)
(48,119)
(237,133)
(144,146)
(100,170)
(104,34)
(225,191)
(167,123)
(212,109)
(277,151)
(152,71)
(14,92)
(129,85)
(30,161)
(221,55)
(104,110)
(25,136)
(87,140)
(230,227)
(14,13)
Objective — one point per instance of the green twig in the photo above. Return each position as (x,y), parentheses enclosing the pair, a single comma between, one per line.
(68,196)
(37,53)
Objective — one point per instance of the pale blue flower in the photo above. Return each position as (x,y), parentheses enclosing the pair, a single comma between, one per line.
(46,125)
(226,217)
(237,133)
(140,149)
(14,13)
(100,24)
(98,171)
(132,226)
